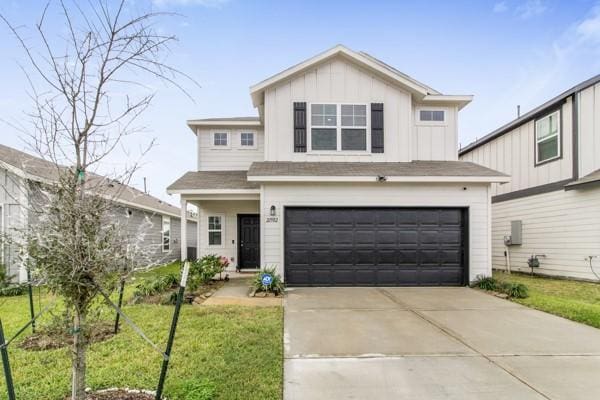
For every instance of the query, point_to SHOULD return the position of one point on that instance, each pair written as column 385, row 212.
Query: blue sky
column 505, row 53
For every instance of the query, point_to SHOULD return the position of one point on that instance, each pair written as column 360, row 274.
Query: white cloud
column 531, row 8
column 589, row 29
column 500, row 7
column 203, row 3
column 572, row 57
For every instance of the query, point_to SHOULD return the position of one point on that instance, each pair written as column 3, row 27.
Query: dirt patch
column 204, row 292
column 52, row 340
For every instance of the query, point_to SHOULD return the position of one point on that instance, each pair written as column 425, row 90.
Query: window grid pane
column 323, row 114
column 354, row 115
column 324, row 139
column 354, row 139
column 214, row 238
column 220, row 139
column 247, row 139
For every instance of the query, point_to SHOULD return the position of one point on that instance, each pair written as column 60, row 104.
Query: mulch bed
column 47, row 341
column 203, row 291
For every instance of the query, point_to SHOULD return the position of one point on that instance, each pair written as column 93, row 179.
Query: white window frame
column 220, row 147
column 254, row 140
column 419, row 121
column 165, row 218
column 557, row 135
column 338, row 127
column 222, row 230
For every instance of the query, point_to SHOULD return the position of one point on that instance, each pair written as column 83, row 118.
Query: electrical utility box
column 516, row 232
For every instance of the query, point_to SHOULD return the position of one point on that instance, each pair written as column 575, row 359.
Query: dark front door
column 375, row 246
column 248, row 241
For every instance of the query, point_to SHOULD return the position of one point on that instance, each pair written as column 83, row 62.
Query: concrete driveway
column 432, row 343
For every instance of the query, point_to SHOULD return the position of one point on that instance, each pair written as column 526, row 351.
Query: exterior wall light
column 273, row 211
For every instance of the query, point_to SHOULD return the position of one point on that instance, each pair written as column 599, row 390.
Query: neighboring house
column 348, row 176
column 153, row 225
column 553, row 199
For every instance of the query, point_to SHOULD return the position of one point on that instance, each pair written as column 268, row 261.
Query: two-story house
column 551, row 207
column 348, row 176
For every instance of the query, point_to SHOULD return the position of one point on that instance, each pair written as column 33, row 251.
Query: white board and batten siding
column 230, row 158
column 514, row 154
column 228, row 211
column 589, row 130
column 340, row 81
column 563, row 226
column 377, row 195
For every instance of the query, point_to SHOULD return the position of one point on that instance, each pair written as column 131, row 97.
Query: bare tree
column 80, row 85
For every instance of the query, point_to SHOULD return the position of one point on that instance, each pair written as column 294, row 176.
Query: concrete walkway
column 432, row 343
column 235, row 292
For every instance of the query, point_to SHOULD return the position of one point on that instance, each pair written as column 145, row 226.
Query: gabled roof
column 40, row 170
column 418, row 89
column 533, row 114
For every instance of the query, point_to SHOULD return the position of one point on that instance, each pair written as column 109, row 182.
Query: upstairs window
column 166, row 233
column 215, row 230
column 220, row 139
column 547, row 138
column 431, row 116
column 338, row 127
column 247, row 139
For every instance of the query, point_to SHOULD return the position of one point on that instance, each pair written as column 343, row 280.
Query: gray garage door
column 375, row 246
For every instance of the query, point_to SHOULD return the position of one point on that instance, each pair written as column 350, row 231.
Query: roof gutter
column 374, row 178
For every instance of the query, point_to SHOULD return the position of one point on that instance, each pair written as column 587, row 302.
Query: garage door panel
column 386, row 237
column 374, row 246
column 386, row 257
column 407, row 236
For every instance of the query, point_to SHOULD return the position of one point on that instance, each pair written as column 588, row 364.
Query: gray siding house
column 153, row 225
column 550, row 209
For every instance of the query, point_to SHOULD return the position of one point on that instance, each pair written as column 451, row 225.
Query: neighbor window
column 166, row 233
column 220, row 139
column 338, row 127
column 247, row 139
column 547, row 137
column 215, row 230
column 431, row 115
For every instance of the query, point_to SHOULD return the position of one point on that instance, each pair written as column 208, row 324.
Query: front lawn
column 234, row 352
column 578, row 301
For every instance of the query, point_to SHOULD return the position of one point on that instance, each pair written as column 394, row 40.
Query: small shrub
column 514, row 290
column 276, row 285
column 203, row 389
column 202, row 271
column 7, row 288
column 13, row 290
column 157, row 285
column 486, row 283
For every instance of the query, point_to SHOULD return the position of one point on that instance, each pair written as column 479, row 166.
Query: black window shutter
column 299, row 127
column 376, row 127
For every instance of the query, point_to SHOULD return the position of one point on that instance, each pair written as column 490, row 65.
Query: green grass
column 578, row 301
column 236, row 350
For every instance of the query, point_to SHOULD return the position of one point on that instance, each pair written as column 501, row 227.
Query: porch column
column 198, row 230
column 183, row 225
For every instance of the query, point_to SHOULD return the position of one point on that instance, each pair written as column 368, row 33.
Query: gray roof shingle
column 591, row 178
column 413, row 168
column 204, row 180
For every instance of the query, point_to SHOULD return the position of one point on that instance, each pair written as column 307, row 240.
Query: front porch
column 228, row 216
